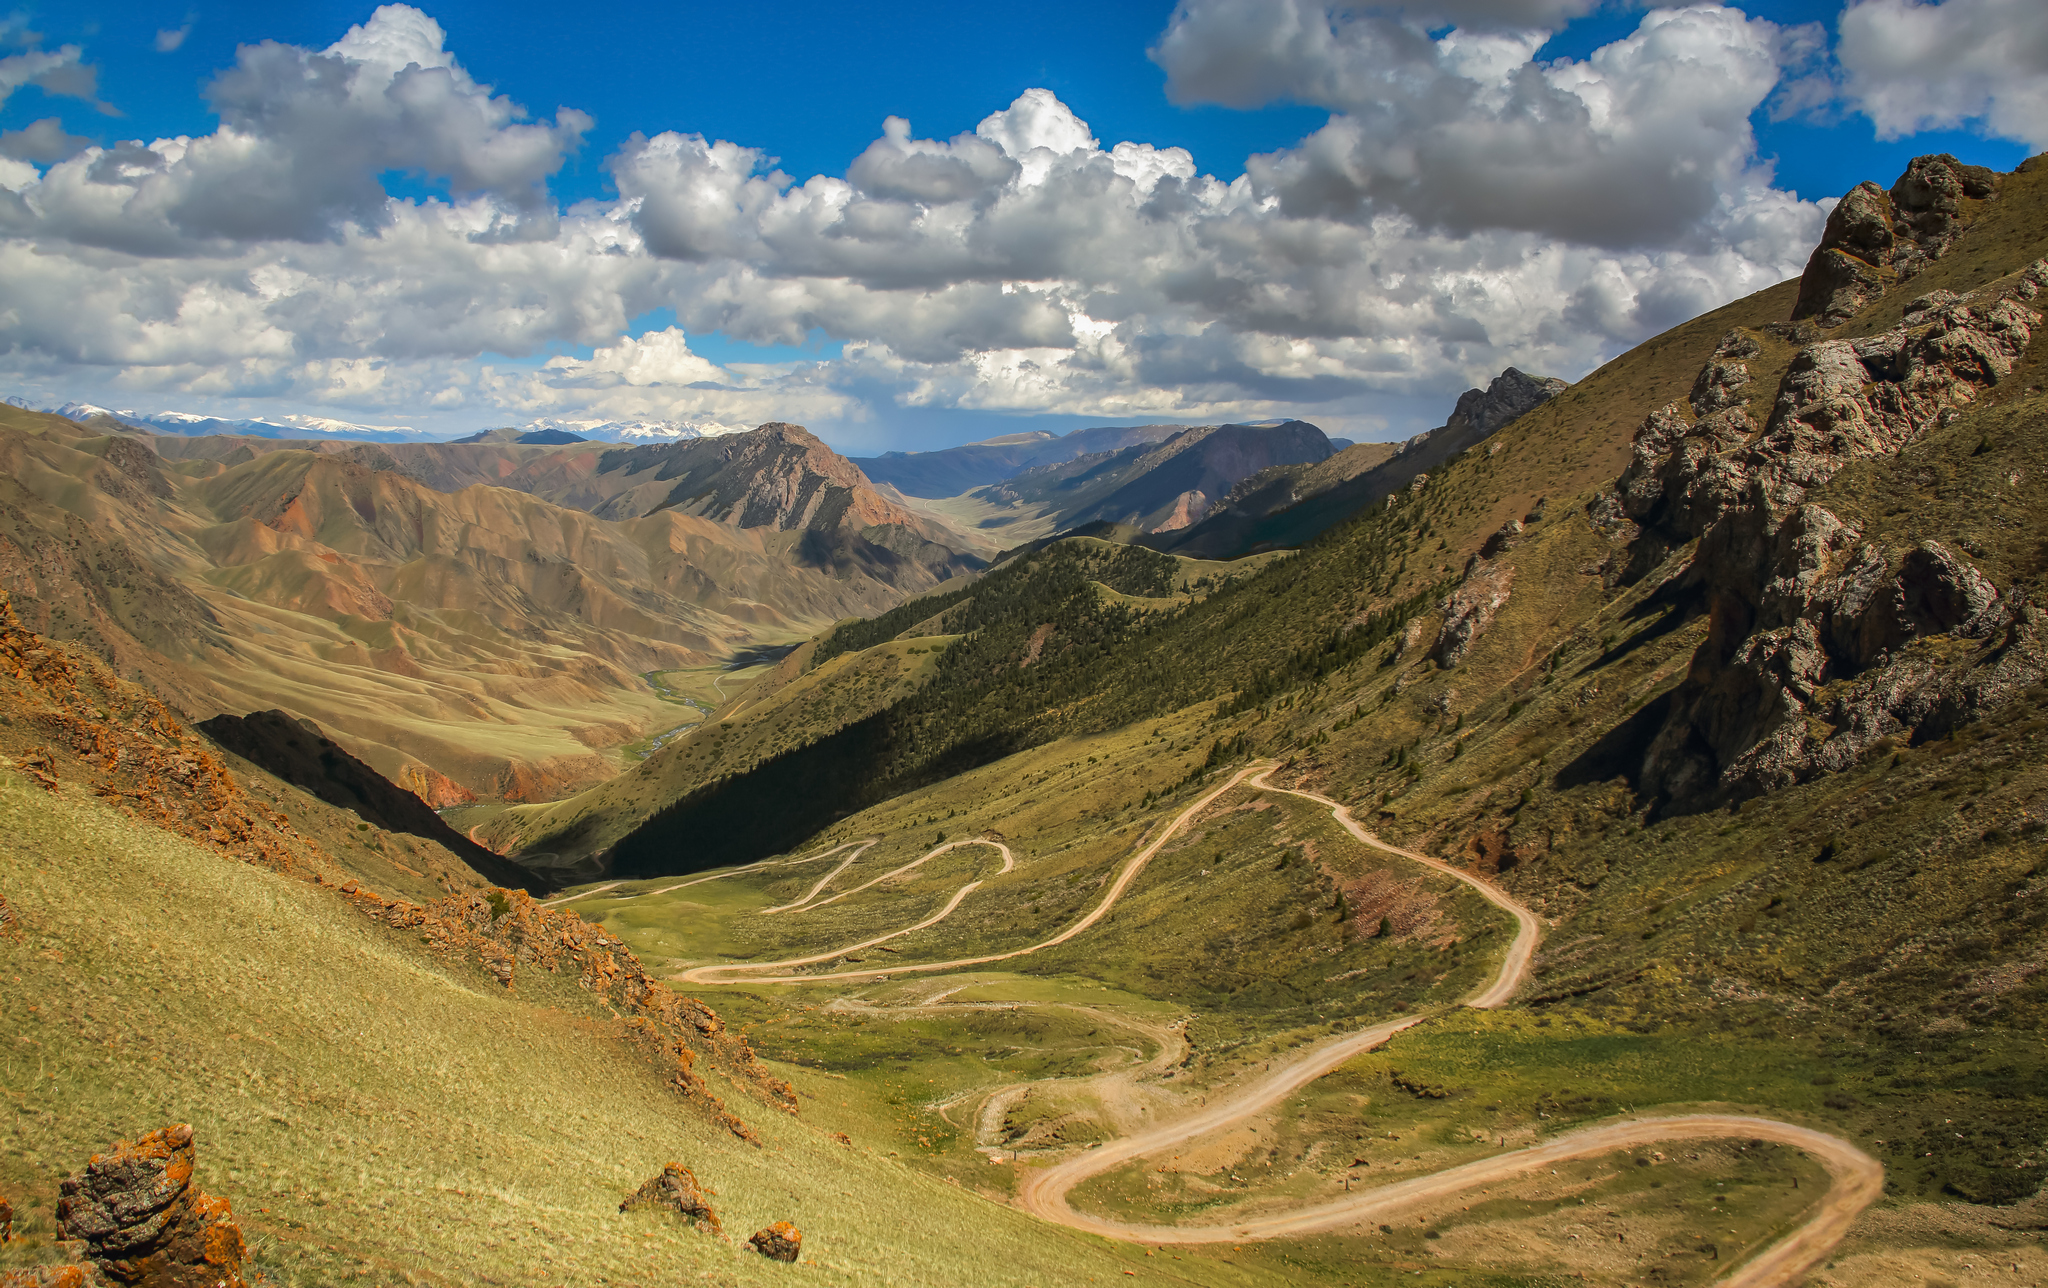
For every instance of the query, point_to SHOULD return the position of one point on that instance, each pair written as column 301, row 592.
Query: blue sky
column 884, row 354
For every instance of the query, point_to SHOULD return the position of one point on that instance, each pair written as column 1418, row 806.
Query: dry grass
column 377, row 1114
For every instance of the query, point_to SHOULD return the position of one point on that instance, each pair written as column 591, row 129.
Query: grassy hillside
column 376, row 1113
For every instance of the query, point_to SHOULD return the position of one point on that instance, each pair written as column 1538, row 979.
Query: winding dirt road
column 717, row 974
column 1858, row 1178
column 1136, row 864
column 825, row 880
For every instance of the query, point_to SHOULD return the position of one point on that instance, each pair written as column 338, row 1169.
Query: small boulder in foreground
column 779, row 1242
column 143, row 1221
column 675, row 1189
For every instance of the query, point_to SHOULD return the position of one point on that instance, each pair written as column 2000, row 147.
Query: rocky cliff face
column 1877, row 239
column 1480, row 412
column 1823, row 641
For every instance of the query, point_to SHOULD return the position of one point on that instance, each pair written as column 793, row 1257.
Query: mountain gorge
column 1725, row 661
column 1599, row 839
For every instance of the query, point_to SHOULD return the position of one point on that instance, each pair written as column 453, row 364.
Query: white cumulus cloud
column 1466, row 208
column 1912, row 66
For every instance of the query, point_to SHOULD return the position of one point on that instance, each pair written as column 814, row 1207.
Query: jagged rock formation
column 1877, row 239
column 675, row 1189
column 779, row 1242
column 143, row 1220
column 1470, row 609
column 1822, row 642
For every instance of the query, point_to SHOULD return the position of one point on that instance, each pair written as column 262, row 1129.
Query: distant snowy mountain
column 637, row 431
column 191, row 425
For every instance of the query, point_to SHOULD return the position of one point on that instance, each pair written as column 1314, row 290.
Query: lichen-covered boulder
column 145, row 1223
column 779, row 1242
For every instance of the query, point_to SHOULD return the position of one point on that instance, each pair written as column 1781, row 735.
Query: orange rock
column 675, row 1189
column 144, row 1223
column 779, row 1242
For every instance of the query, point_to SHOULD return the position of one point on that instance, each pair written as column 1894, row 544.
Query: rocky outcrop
column 675, row 1189
column 145, row 1223
column 1186, row 510
column 779, row 1242
column 1503, row 539
column 1470, row 609
column 1816, row 635
column 1875, row 239
column 507, row 930
column 1481, row 412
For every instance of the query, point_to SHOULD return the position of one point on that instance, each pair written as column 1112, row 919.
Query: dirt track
column 1858, row 1178
column 711, row 974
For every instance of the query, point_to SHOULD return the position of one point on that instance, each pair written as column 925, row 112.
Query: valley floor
column 1117, row 1111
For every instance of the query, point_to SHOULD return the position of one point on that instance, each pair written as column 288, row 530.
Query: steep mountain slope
column 1162, row 487
column 1727, row 661
column 1286, row 506
column 296, row 752
column 953, row 470
column 372, row 1081
column 478, row 641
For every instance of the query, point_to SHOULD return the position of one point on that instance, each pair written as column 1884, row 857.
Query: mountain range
column 471, row 620
column 318, row 428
